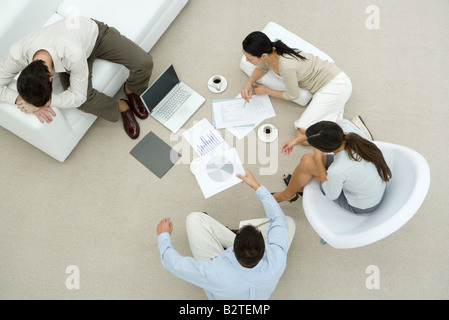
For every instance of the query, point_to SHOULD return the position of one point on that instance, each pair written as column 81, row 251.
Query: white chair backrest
column 408, row 186
column 404, row 195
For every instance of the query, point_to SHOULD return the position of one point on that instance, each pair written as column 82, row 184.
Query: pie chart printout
column 220, row 169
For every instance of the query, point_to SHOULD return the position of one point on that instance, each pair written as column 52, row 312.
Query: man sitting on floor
column 227, row 264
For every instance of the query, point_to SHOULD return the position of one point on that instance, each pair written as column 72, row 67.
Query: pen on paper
column 249, row 94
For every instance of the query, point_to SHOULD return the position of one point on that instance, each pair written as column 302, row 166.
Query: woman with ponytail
column 330, row 86
column 354, row 175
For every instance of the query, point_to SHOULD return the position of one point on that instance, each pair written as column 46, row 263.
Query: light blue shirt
column 358, row 180
column 223, row 277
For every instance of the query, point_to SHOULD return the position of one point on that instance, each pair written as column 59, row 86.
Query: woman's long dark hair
column 257, row 43
column 327, row 136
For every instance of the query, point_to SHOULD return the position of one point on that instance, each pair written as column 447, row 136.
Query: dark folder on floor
column 155, row 154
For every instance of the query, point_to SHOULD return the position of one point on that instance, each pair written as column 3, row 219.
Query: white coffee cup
column 268, row 129
column 216, row 82
column 267, row 133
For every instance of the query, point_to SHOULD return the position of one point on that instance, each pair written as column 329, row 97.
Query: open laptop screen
column 160, row 88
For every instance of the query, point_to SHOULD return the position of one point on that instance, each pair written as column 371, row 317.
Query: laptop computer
column 170, row 101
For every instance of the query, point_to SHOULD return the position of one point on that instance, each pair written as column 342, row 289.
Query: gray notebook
column 155, row 154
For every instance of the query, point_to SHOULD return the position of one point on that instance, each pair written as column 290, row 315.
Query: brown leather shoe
column 136, row 104
column 130, row 124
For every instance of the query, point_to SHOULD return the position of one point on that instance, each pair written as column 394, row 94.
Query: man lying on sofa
column 70, row 51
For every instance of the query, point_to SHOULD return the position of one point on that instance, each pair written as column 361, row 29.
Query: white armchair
column 405, row 193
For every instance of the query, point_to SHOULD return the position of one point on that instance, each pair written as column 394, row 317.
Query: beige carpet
column 99, row 210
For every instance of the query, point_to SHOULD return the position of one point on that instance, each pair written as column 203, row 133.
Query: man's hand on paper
column 249, row 179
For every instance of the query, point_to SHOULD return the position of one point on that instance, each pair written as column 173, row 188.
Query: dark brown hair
column 249, row 246
column 328, row 136
column 257, row 43
column 34, row 84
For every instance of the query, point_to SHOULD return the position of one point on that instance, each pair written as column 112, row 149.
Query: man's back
column 228, row 279
column 224, row 277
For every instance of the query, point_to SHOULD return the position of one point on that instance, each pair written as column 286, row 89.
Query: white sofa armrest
column 57, row 138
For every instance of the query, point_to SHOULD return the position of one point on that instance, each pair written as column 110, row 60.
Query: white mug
column 216, row 82
column 267, row 133
column 268, row 129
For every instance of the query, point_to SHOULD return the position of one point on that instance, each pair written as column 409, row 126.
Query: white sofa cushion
column 272, row 80
column 141, row 21
column 19, row 17
column 133, row 18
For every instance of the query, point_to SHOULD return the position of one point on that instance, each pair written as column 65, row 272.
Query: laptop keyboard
column 173, row 103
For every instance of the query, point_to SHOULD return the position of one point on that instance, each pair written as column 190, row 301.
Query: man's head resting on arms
column 34, row 84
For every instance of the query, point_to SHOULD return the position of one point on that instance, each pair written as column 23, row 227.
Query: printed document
column 235, row 112
column 217, row 167
column 264, row 111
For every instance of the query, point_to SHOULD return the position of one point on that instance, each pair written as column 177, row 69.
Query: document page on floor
column 262, row 105
column 230, row 113
column 217, row 167
column 216, row 171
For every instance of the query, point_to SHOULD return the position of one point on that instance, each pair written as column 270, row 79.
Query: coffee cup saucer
column 267, row 138
column 223, row 84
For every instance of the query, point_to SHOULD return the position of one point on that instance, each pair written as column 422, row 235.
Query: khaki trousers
column 208, row 237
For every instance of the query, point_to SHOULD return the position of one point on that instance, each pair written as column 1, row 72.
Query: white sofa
column 143, row 21
column 271, row 80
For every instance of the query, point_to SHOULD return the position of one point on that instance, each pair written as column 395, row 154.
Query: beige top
column 69, row 47
column 311, row 74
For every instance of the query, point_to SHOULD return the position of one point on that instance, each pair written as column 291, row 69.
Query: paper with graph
column 216, row 171
column 217, row 167
column 203, row 138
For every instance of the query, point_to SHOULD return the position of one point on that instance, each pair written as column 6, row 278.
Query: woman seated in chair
column 354, row 175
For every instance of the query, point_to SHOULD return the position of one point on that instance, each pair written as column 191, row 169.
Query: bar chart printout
column 217, row 167
column 203, row 137
column 208, row 142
